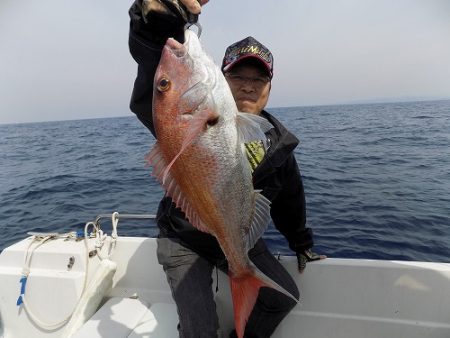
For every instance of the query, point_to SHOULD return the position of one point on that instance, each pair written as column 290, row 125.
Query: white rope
column 99, row 243
column 101, row 238
column 26, row 271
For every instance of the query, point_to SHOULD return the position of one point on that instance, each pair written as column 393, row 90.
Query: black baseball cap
column 247, row 48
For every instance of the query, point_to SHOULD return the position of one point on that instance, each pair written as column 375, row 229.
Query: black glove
column 173, row 8
column 306, row 256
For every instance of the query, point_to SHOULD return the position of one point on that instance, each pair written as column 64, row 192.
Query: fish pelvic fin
column 244, row 292
column 252, row 127
column 260, row 220
column 168, row 182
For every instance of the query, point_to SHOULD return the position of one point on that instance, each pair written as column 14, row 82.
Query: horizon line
column 345, row 103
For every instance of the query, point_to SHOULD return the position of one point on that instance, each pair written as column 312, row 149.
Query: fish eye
column 163, row 85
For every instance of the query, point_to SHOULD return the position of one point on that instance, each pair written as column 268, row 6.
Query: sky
column 62, row 60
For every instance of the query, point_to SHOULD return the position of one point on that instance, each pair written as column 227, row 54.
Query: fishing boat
column 93, row 284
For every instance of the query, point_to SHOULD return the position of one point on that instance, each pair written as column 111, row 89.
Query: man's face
column 250, row 86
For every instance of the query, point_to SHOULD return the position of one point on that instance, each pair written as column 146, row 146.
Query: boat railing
column 118, row 216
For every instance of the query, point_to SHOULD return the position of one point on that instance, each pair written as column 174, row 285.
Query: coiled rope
column 100, row 240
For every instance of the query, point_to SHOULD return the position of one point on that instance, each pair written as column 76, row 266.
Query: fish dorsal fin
column 260, row 220
column 252, row 127
column 162, row 173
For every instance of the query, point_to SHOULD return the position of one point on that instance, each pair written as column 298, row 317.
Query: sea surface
column 376, row 176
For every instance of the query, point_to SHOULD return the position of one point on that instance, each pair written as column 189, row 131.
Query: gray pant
column 190, row 278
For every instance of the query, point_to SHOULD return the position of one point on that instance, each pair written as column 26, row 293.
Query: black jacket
column 277, row 175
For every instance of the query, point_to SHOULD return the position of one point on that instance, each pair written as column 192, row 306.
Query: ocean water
column 376, row 176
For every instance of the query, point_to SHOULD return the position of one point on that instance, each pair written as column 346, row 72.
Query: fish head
column 182, row 94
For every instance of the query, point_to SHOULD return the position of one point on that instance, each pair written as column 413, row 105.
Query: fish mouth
column 175, row 48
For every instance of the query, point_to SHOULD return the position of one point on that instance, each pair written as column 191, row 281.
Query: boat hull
column 340, row 298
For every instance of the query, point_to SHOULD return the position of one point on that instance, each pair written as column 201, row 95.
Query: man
column 187, row 255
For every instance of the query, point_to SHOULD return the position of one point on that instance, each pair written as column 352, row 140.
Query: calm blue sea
column 377, row 178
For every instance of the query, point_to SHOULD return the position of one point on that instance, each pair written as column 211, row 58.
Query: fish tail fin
column 244, row 292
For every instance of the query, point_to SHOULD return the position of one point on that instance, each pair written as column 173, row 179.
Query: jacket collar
column 282, row 143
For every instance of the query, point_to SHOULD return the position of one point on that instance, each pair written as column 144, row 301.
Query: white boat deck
column 340, row 298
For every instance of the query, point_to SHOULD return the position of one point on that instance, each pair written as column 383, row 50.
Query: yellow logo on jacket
column 255, row 153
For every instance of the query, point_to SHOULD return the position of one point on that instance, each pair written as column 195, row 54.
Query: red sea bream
column 200, row 161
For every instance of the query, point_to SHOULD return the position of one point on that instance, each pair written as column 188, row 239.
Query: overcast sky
column 64, row 59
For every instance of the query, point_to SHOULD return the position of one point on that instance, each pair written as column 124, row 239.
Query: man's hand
column 307, row 256
column 193, row 6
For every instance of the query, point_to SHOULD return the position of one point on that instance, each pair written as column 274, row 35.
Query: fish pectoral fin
column 162, row 174
column 252, row 127
column 196, row 126
column 260, row 220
